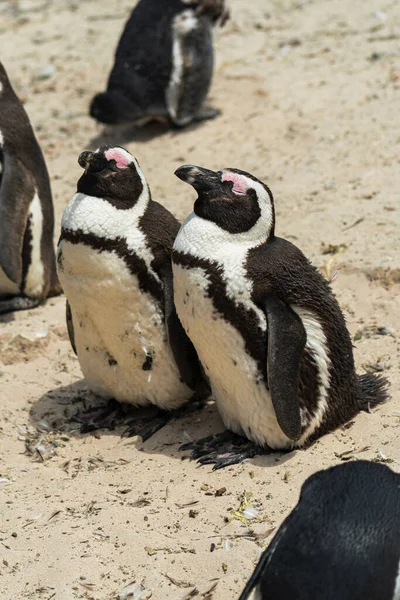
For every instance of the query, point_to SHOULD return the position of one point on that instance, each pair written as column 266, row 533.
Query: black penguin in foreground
column 341, row 541
column 114, row 263
column 27, row 260
column 265, row 323
column 163, row 64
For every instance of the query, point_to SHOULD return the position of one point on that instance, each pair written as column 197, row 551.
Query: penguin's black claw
column 206, row 445
column 156, row 418
column 105, row 416
column 223, row 450
column 148, row 425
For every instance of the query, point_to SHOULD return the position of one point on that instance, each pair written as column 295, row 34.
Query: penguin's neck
column 100, row 217
column 204, row 239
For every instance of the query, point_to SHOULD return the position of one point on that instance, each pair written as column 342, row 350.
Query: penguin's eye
column 240, row 185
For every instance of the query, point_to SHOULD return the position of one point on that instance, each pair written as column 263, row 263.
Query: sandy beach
column 309, row 93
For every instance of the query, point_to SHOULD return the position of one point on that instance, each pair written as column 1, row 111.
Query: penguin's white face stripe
column 318, row 346
column 241, row 185
column 35, row 276
column 1, row 136
column 1, row 87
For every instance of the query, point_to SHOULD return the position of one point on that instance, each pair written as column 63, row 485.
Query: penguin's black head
column 111, row 172
column 233, row 199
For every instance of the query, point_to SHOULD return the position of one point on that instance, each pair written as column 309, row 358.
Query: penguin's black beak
column 85, row 159
column 201, row 179
column 96, row 162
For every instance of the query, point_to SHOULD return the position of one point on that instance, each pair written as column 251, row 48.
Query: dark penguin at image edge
column 114, row 263
column 265, row 323
column 341, row 541
column 27, row 260
column 163, row 64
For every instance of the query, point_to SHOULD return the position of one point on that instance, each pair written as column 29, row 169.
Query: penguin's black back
column 280, row 267
column 341, row 542
column 143, row 59
column 20, row 143
column 19, row 137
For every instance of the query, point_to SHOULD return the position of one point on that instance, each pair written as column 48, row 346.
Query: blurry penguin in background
column 163, row 64
column 341, row 541
column 27, row 260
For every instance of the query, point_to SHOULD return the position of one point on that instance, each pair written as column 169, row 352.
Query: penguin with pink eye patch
column 114, row 264
column 265, row 324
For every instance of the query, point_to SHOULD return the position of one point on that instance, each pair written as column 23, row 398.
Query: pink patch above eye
column 240, row 185
column 121, row 159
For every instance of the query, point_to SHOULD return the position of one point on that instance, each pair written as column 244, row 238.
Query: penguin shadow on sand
column 120, row 135
column 6, row 318
column 56, row 416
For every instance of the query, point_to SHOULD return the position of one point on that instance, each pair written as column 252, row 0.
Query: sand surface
column 310, row 99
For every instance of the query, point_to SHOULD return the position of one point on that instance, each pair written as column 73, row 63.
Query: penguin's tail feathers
column 113, row 108
column 373, row 391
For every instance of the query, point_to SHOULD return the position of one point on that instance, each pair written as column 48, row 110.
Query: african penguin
column 114, row 263
column 265, row 323
column 163, row 64
column 27, row 260
column 341, row 541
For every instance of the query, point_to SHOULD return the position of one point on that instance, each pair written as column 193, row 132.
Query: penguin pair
column 27, row 259
column 163, row 64
column 341, row 541
column 237, row 303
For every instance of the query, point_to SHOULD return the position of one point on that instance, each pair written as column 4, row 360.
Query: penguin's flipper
column 70, row 326
column 286, row 342
column 16, row 193
column 182, row 348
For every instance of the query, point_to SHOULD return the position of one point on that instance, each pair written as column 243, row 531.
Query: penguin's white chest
column 119, row 330
column 238, row 388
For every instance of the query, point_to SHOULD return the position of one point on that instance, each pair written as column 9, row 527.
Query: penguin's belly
column 119, row 330
column 238, row 388
column 7, row 287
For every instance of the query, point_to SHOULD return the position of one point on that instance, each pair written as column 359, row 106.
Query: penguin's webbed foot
column 207, row 112
column 155, row 418
column 18, row 303
column 223, row 449
column 105, row 416
column 143, row 421
column 148, row 424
